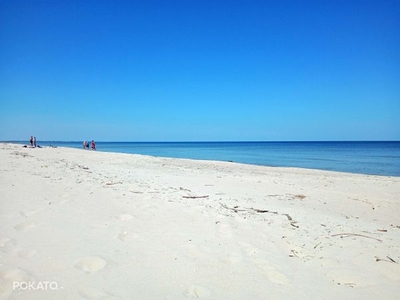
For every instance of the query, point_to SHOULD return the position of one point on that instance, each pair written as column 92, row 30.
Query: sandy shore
column 78, row 224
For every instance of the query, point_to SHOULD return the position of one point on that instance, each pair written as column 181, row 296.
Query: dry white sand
column 78, row 224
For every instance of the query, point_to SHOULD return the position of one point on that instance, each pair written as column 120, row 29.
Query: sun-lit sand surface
column 99, row 225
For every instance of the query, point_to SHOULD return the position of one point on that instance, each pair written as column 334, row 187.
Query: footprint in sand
column 92, row 293
column 26, row 253
column 224, row 230
column 91, row 264
column 126, row 236
column 6, row 244
column 26, row 214
column 25, row 226
column 7, row 279
column 249, row 249
column 124, row 217
column 231, row 258
column 271, row 273
column 193, row 252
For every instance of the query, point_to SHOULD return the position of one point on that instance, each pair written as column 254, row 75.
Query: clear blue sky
column 200, row 70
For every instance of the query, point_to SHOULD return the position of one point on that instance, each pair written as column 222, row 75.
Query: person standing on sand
column 31, row 141
column 84, row 145
column 34, row 142
column 93, row 145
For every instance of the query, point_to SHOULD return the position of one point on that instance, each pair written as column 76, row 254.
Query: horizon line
column 204, row 141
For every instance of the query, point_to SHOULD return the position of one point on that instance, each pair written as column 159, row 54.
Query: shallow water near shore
column 373, row 158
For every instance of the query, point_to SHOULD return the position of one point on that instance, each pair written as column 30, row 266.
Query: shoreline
column 120, row 226
column 217, row 160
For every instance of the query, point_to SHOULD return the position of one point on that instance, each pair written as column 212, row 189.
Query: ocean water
column 375, row 158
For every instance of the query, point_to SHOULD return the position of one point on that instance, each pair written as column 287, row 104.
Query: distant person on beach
column 31, row 141
column 84, row 145
column 34, row 141
column 93, row 145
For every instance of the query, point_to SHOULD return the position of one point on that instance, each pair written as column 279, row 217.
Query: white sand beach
column 79, row 224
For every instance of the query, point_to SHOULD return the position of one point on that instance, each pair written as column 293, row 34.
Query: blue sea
column 375, row 158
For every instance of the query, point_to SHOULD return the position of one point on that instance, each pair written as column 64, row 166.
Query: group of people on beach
column 32, row 141
column 86, row 145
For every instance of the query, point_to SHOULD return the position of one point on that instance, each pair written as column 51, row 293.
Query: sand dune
column 78, row 224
